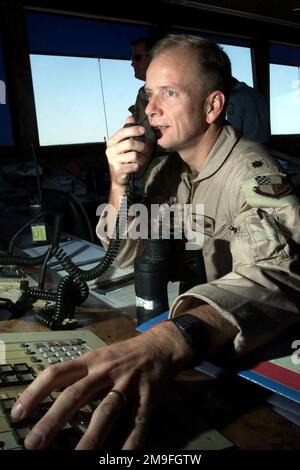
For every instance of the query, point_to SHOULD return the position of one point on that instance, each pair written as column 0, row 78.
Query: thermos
column 151, row 272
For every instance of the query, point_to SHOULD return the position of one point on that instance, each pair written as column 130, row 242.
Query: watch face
column 196, row 333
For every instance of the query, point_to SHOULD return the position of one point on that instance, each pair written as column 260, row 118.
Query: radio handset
column 151, row 269
column 135, row 185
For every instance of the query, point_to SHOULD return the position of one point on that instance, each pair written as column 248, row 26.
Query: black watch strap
column 196, row 334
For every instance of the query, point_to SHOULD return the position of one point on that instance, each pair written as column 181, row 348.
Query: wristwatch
column 196, row 334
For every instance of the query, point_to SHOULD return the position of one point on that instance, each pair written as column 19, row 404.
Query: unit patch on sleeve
column 269, row 191
column 272, row 186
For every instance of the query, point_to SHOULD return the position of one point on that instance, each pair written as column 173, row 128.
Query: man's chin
column 164, row 145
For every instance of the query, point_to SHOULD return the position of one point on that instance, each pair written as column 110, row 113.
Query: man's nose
column 153, row 106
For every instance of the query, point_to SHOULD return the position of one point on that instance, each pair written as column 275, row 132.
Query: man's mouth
column 158, row 131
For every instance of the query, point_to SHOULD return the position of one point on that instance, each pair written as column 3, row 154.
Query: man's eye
column 171, row 93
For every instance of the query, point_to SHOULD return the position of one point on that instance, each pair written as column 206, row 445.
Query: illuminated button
column 27, row 378
column 8, row 441
column 12, row 379
column 53, row 360
column 22, row 433
column 6, row 369
column 22, row 367
column 8, row 403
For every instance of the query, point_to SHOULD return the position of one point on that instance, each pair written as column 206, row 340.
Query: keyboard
column 22, row 356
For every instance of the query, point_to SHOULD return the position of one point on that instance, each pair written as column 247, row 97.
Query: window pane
column 241, row 63
column 285, row 99
column 120, row 88
column 69, row 101
column 6, row 137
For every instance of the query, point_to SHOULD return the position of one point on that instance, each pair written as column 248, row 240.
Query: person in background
column 251, row 235
column 248, row 112
column 140, row 59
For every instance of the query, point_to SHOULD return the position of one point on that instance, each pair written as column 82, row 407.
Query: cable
column 26, row 260
column 61, row 315
column 11, row 244
column 72, row 290
column 37, row 172
column 85, row 216
column 112, row 250
column 49, row 254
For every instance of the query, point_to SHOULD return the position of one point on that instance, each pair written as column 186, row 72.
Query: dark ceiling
column 275, row 11
column 276, row 20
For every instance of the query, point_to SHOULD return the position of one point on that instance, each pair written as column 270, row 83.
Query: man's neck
column 195, row 157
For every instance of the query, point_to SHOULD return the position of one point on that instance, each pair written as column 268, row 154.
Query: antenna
column 38, row 229
column 37, row 172
column 103, row 99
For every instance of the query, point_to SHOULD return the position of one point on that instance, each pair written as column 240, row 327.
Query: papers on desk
column 80, row 251
column 124, row 296
column 281, row 376
column 11, row 289
column 84, row 254
column 279, row 372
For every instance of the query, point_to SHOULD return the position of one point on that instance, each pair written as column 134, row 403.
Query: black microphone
column 151, row 273
column 135, row 185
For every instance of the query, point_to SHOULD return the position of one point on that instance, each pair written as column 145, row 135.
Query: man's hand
column 137, row 368
column 127, row 155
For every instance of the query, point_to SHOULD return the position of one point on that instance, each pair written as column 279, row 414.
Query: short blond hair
column 214, row 63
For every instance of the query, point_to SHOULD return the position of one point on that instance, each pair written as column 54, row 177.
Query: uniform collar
column 219, row 153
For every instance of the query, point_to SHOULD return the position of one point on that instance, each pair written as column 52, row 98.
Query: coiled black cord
column 72, row 290
column 81, row 275
column 61, row 314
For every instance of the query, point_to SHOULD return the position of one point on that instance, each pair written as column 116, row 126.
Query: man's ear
column 214, row 106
